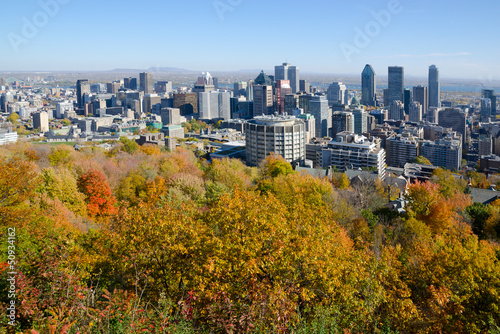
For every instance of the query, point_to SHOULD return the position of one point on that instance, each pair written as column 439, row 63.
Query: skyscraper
column 434, row 89
column 368, row 86
column 146, row 80
column 82, row 88
column 282, row 89
column 490, row 94
column 318, row 107
column 360, row 121
column 415, row 112
column 337, row 93
column 420, row 95
column 408, row 99
column 396, row 84
column 455, row 119
column 288, row 72
column 262, row 100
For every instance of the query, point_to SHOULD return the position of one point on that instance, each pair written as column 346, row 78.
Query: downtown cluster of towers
column 396, row 90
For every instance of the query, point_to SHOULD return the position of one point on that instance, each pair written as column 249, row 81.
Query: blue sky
column 460, row 37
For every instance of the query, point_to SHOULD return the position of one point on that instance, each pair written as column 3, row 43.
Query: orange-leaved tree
column 100, row 199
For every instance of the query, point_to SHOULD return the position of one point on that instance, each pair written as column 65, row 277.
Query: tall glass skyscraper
column 288, row 72
column 434, row 89
column 396, row 84
column 368, row 86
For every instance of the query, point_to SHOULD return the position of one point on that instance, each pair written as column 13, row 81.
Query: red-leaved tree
column 100, row 199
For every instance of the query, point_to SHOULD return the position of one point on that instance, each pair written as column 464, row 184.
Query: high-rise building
column 291, row 103
column 434, row 88
column 288, row 72
column 396, row 84
column 396, row 110
column 368, row 86
column 283, row 135
column 446, row 152
column 240, row 88
column 304, row 86
column 187, row 103
column 130, row 83
column 41, row 121
column 360, row 121
column 420, row 94
column 401, row 149
column 415, row 112
column 318, row 107
column 337, row 93
column 205, row 83
column 262, row 100
column 163, row 87
column 82, row 88
column 170, row 116
column 282, row 89
column 342, row 121
column 455, row 119
column 146, row 80
column 214, row 105
column 490, row 94
column 486, row 106
column 263, row 79
column 113, row 87
column 408, row 99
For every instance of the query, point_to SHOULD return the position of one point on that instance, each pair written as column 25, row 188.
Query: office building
column 360, row 117
column 240, row 88
column 342, row 121
column 337, row 94
column 446, row 152
column 130, row 83
column 368, row 86
column 415, row 112
column 454, row 119
column 420, row 95
column 395, row 84
column 318, row 107
column 113, row 87
column 82, row 89
column 408, row 99
column 486, row 107
column 62, row 108
column 205, row 83
column 310, row 124
column 41, row 121
column 187, row 103
column 150, row 102
column 304, row 102
column 288, row 72
column 490, row 94
column 283, row 135
column 146, row 82
column 214, row 105
column 263, row 80
column 396, row 110
column 291, row 103
column 282, row 89
column 163, row 87
column 170, row 116
column 305, row 86
column 434, row 88
column 262, row 100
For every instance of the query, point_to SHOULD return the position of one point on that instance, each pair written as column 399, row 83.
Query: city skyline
column 50, row 35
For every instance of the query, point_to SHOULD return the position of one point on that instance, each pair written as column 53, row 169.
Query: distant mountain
column 169, row 69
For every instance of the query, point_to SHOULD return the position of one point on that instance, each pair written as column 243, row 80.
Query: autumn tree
column 274, row 165
column 99, row 198
column 421, row 160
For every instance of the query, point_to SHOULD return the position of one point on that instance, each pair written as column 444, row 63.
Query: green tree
column 421, row 160
column 13, row 118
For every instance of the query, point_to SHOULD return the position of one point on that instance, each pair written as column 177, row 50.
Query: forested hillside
column 139, row 240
